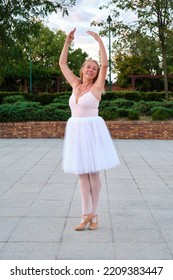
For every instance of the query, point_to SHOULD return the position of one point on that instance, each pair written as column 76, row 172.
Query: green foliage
column 144, row 107
column 133, row 115
column 123, row 103
column 52, row 107
column 13, row 99
column 3, row 95
column 128, row 65
column 151, row 17
column 19, row 18
column 42, row 98
column 135, row 95
column 162, row 113
column 52, row 113
column 32, row 111
column 19, row 21
column 40, row 53
column 23, row 111
column 123, row 113
column 109, row 115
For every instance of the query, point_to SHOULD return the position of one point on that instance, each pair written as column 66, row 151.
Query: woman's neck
column 87, row 83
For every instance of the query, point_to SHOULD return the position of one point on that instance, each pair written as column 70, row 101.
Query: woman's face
column 90, row 70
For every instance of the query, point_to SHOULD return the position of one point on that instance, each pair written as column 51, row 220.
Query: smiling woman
column 88, row 147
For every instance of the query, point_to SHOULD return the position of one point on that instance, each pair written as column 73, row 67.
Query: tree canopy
column 20, row 25
column 153, row 18
column 18, row 19
column 42, row 54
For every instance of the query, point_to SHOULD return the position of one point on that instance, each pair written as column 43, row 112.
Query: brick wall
column 118, row 129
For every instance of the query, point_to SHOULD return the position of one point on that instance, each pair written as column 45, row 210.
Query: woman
column 88, row 147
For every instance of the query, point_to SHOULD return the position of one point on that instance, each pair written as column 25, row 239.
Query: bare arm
column 100, row 82
column 68, row 74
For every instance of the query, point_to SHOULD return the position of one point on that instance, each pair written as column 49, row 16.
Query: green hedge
column 162, row 113
column 42, row 107
column 32, row 111
column 47, row 98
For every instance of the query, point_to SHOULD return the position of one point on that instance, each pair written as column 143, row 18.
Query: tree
column 44, row 50
column 147, row 48
column 19, row 20
column 140, row 51
column 128, row 65
column 153, row 17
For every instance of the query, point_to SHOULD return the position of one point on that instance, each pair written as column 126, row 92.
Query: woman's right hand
column 70, row 36
column 94, row 35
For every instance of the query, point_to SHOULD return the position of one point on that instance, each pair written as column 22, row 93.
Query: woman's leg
column 85, row 192
column 95, row 184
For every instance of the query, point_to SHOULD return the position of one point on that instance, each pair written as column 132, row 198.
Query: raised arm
column 68, row 74
column 100, row 82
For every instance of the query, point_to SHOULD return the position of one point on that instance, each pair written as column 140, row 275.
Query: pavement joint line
column 112, row 234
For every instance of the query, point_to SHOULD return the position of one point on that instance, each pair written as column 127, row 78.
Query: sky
column 80, row 17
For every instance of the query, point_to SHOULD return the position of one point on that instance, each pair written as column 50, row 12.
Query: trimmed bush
column 42, row 98
column 122, row 103
column 133, row 115
column 145, row 107
column 123, row 113
column 45, row 107
column 13, row 99
column 51, row 113
column 161, row 113
column 108, row 115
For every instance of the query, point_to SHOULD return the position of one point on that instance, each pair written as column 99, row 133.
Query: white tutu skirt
column 88, row 146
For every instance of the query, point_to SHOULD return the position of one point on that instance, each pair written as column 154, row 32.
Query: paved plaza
column 40, row 205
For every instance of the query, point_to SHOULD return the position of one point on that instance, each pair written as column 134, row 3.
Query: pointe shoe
column 87, row 219
column 93, row 225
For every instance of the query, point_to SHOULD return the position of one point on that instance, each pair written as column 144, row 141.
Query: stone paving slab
column 40, row 205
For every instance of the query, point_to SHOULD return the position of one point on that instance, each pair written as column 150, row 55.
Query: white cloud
column 81, row 16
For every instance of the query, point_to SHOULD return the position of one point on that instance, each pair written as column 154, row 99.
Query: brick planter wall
column 118, row 129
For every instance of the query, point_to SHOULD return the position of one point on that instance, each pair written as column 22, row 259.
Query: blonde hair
column 86, row 61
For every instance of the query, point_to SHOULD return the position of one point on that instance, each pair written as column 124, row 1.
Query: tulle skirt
column 88, row 146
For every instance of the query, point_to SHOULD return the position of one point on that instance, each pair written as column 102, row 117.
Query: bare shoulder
column 97, row 91
column 77, row 83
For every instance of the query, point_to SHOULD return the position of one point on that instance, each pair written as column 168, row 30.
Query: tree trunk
column 164, row 57
column 25, row 86
column 165, row 73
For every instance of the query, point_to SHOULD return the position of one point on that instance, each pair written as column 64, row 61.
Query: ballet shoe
column 93, row 225
column 87, row 219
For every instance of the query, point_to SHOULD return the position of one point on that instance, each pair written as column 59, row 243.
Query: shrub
column 153, row 96
column 168, row 104
column 133, row 115
column 5, row 94
column 61, row 103
column 51, row 113
column 145, row 107
column 42, row 98
column 123, row 112
column 13, row 99
column 131, row 95
column 122, row 103
column 108, row 115
column 44, row 106
column 161, row 113
column 104, row 104
column 6, row 112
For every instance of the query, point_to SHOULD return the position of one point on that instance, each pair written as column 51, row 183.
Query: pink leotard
column 87, row 105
